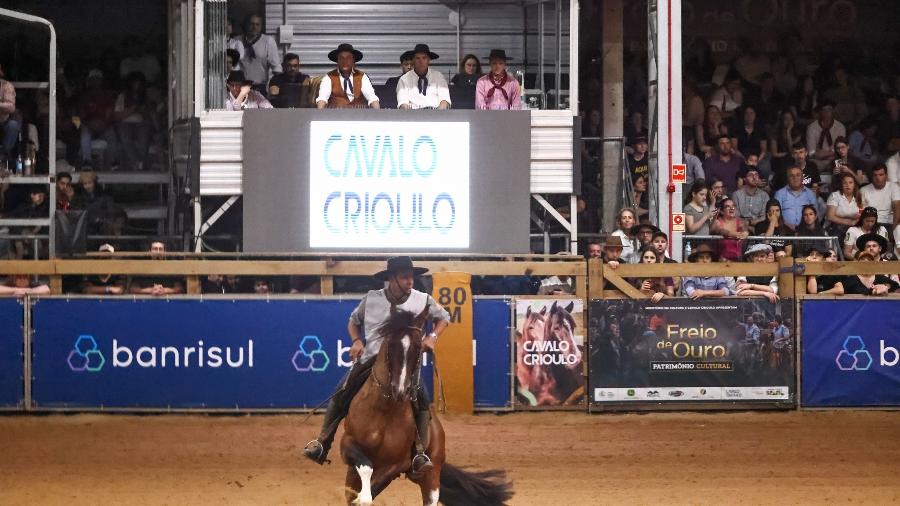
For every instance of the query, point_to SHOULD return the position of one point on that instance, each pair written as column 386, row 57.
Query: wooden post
column 786, row 277
column 454, row 353
column 595, row 278
column 193, row 285
column 56, row 285
column 326, row 285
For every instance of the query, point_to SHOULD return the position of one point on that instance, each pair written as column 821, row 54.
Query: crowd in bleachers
column 775, row 147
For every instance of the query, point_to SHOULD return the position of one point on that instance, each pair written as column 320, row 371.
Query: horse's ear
column 570, row 307
column 528, row 312
column 553, row 306
column 544, row 310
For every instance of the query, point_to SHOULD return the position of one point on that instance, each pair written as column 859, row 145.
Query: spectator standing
column 95, row 110
column 346, row 87
column 868, row 224
column 290, row 88
column 725, row 164
column 130, row 113
column 424, row 87
column 157, row 285
column 844, row 206
column 774, row 226
column 758, row 286
column 21, row 284
column 884, row 196
column 660, row 242
column 694, row 168
column 698, row 214
column 389, row 98
column 866, row 284
column 732, row 229
column 698, row 287
column 463, row 84
column 794, row 196
column 9, row 126
column 259, row 54
column 103, row 284
column 498, row 90
column 809, row 227
column 638, row 161
column 750, row 199
column 641, row 197
column 241, row 94
column 626, row 221
column 656, row 288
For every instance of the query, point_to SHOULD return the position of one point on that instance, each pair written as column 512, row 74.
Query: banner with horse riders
column 549, row 351
column 697, row 351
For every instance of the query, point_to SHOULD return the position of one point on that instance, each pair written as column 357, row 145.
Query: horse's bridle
column 385, row 389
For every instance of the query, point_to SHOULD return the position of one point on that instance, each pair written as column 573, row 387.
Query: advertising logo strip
column 12, row 346
column 192, row 354
column 705, row 350
column 389, row 184
column 851, row 353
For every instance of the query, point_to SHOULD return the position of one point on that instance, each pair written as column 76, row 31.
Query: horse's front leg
column 362, row 466
column 430, row 485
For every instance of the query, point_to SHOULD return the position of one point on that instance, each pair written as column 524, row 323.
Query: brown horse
column 568, row 378
column 380, row 430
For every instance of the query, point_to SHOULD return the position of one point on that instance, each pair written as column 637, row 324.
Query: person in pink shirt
column 497, row 90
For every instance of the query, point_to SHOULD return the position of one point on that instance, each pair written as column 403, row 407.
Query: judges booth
column 491, row 164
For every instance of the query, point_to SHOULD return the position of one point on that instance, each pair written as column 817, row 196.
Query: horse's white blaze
column 365, row 493
column 405, row 343
column 435, row 494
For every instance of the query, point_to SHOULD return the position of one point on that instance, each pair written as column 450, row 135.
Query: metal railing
column 831, row 242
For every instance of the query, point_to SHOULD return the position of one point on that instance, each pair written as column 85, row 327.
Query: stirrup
column 421, row 463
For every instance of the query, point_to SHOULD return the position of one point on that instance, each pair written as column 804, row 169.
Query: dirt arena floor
column 847, row 457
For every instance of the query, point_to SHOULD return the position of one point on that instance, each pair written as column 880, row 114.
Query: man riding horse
column 371, row 313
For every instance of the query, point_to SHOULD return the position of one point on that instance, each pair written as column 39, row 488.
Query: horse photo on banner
column 549, row 351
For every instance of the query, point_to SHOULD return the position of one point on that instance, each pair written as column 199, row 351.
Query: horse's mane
column 398, row 323
column 565, row 314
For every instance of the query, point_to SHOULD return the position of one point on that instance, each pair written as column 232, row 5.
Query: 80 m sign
column 452, row 300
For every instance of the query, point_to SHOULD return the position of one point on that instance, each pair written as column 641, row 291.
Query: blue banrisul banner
column 191, row 353
column 12, row 344
column 851, row 353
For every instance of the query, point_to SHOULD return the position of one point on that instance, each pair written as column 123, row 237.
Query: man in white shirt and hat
column 423, row 88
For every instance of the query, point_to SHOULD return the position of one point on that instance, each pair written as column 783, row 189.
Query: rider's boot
column 317, row 449
column 421, row 462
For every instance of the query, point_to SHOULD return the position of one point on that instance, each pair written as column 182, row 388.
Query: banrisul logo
column 86, row 356
column 310, row 356
column 853, row 355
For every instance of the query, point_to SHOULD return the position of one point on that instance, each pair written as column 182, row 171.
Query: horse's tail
column 474, row 488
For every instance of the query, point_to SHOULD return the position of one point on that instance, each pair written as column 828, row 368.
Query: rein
column 385, row 389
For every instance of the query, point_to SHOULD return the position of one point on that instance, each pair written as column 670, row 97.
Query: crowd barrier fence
column 98, row 353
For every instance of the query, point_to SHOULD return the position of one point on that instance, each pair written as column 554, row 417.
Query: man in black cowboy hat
column 241, row 95
column 423, row 88
column 875, row 244
column 389, row 94
column 497, row 90
column 369, row 315
column 346, row 87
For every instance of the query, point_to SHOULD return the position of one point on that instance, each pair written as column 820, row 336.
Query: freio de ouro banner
column 692, row 350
